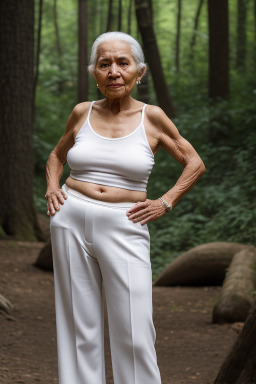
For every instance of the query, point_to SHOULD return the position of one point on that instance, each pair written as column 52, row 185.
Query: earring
column 97, row 85
column 138, row 82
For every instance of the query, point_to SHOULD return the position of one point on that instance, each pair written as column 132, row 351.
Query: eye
column 104, row 65
column 123, row 63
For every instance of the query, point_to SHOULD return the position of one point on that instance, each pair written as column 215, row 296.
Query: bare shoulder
column 78, row 113
column 156, row 115
column 153, row 110
column 81, row 108
column 158, row 118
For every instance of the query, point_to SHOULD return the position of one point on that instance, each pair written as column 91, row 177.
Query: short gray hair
column 135, row 46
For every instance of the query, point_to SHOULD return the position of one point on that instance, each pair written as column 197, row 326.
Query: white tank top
column 124, row 162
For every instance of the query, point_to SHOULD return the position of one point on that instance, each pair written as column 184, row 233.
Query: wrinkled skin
column 115, row 116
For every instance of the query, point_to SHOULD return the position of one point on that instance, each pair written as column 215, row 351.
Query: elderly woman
column 100, row 237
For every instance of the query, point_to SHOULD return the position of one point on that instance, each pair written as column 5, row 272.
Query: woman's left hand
column 148, row 210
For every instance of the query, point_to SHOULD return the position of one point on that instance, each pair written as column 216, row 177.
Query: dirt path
column 189, row 348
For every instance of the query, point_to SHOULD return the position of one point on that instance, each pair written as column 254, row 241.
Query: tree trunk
column 196, row 22
column 150, row 45
column 129, row 20
column 38, row 48
column 177, row 46
column 58, row 44
column 57, row 34
column 83, row 81
column 119, row 27
column 254, row 12
column 238, row 287
column 241, row 34
column 218, row 49
column 239, row 366
column 202, row 265
column 143, row 89
column 110, row 16
column 17, row 212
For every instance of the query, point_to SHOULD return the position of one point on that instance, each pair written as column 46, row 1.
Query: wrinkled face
column 116, row 70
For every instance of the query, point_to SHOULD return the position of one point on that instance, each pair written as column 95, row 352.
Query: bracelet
column 168, row 207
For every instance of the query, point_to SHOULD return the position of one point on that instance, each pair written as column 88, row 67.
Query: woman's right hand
column 54, row 199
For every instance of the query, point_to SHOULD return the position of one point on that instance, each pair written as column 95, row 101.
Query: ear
column 141, row 73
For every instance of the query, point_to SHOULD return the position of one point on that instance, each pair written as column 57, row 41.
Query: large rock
column 202, row 265
column 44, row 259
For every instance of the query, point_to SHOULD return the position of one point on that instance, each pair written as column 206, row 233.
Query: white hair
column 135, row 46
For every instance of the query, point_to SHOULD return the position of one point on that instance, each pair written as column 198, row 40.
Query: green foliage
column 222, row 206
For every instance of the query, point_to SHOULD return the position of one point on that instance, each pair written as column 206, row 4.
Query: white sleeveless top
column 124, row 162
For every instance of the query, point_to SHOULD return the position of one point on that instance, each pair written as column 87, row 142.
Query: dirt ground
column 190, row 349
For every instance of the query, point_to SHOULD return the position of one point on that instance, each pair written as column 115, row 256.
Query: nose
column 113, row 71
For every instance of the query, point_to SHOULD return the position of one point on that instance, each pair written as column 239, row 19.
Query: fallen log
column 238, row 288
column 205, row 264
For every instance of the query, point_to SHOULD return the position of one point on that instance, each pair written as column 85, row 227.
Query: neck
column 117, row 105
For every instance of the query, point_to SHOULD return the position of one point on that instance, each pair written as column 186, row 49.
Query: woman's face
column 116, row 69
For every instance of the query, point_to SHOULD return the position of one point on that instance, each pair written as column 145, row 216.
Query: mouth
column 114, row 85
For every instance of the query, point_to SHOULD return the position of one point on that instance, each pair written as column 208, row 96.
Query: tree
column 18, row 216
column 143, row 88
column 254, row 16
column 196, row 22
column 218, row 73
column 239, row 366
column 241, row 34
column 218, row 49
column 129, row 19
column 144, row 20
column 38, row 48
column 119, row 27
column 177, row 50
column 110, row 15
column 82, row 51
column 58, row 44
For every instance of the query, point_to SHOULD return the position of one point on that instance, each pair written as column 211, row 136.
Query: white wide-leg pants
column 95, row 245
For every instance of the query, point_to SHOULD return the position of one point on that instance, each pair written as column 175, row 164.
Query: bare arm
column 181, row 150
column 185, row 154
column 54, row 194
column 54, row 166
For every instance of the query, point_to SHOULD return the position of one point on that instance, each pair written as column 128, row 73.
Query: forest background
column 222, row 206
